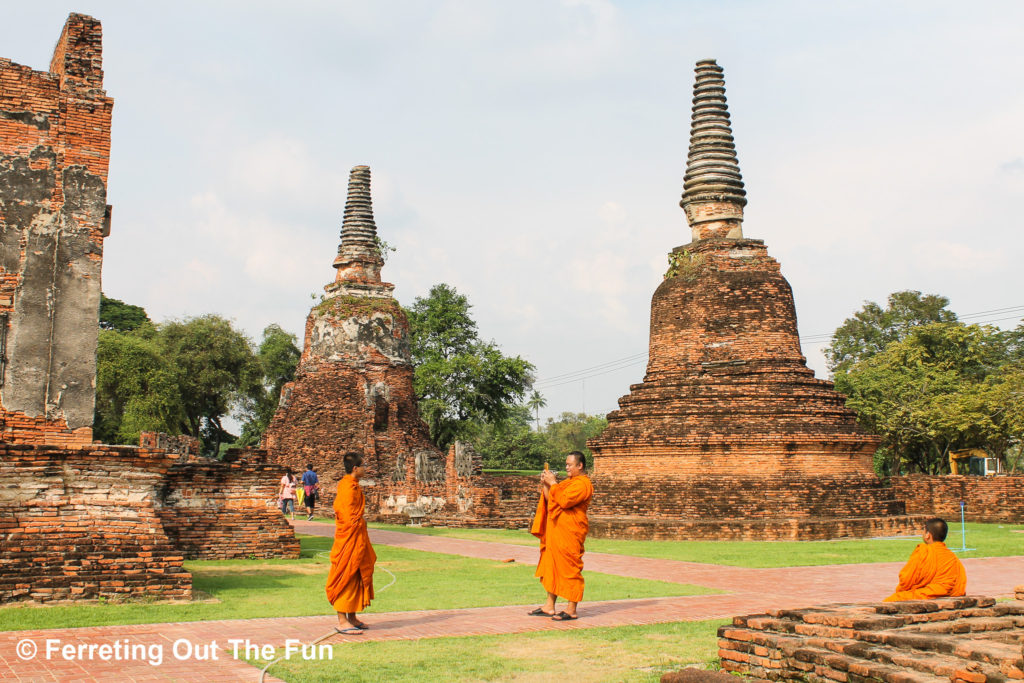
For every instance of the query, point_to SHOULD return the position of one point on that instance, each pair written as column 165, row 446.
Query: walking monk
column 561, row 525
column 350, row 581
column 933, row 570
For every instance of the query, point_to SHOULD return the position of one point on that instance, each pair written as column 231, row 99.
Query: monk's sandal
column 564, row 616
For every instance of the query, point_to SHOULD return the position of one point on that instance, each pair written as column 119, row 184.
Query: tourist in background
column 310, row 487
column 561, row 525
column 286, row 495
column 350, row 580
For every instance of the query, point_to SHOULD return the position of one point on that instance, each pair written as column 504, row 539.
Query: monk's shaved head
column 580, row 459
column 937, row 527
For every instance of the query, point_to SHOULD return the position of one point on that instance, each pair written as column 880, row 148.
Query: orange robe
column 561, row 525
column 933, row 571
column 350, row 580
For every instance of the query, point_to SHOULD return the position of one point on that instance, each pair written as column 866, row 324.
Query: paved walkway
column 750, row 590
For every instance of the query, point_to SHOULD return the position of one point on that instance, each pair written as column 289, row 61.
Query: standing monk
column 933, row 570
column 350, row 581
column 561, row 525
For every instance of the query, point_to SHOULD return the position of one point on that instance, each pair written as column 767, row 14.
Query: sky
column 530, row 153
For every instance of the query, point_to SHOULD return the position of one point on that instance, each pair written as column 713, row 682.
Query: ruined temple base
column 968, row 639
column 732, row 507
column 769, row 529
column 81, row 524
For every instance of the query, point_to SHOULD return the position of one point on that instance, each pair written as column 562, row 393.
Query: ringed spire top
column 713, row 194
column 359, row 258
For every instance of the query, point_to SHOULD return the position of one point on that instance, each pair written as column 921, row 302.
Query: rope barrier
column 334, row 631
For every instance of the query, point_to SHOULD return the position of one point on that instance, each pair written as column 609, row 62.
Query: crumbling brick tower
column 54, row 153
column 730, row 435
column 353, row 388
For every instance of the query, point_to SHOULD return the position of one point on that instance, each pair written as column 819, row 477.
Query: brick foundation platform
column 226, row 509
column 81, row 524
column 970, row 639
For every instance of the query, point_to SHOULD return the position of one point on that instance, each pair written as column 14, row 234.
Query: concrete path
column 750, row 590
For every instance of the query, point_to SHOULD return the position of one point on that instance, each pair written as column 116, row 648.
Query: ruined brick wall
column 54, row 153
column 227, row 509
column 83, row 523
column 997, row 498
column 969, row 639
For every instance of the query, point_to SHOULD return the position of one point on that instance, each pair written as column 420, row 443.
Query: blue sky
column 531, row 154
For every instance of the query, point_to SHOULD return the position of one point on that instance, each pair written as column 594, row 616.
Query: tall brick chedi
column 353, row 389
column 730, row 434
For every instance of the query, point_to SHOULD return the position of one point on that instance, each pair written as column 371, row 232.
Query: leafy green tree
column 460, row 379
column 511, row 444
column 278, row 356
column 942, row 386
column 872, row 328
column 571, row 431
column 117, row 315
column 136, row 387
column 215, row 369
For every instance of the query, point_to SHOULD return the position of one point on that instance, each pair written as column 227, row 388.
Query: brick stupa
column 353, row 389
column 730, row 435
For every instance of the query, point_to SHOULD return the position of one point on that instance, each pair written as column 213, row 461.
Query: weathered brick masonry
column 226, row 509
column 54, row 155
column 353, row 390
column 989, row 499
column 80, row 520
column 730, row 435
column 970, row 639
column 84, row 523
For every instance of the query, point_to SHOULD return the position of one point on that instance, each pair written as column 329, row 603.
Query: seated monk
column 561, row 525
column 350, row 580
column 933, row 570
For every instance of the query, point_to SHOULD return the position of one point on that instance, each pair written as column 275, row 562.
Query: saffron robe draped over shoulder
column 350, row 580
column 561, row 525
column 933, row 571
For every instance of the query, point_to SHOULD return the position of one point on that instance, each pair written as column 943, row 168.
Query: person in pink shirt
column 286, row 495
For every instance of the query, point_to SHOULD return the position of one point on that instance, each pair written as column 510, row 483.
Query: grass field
column 990, row 540
column 626, row 653
column 245, row 589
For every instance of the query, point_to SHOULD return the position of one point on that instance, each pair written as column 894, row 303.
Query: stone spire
column 359, row 259
column 713, row 194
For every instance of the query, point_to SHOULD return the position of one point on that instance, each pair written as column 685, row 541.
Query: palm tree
column 535, row 403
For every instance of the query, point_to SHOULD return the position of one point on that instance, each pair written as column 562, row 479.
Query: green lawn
column 626, row 653
column 245, row 589
column 990, row 540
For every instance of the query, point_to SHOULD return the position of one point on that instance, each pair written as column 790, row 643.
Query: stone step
column 824, row 665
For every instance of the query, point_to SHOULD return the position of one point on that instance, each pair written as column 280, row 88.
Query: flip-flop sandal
column 540, row 613
column 348, row 631
column 361, row 626
column 564, row 616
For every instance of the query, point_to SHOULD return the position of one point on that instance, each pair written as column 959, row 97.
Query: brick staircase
column 968, row 639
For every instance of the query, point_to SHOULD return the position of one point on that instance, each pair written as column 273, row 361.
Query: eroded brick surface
column 54, row 155
column 971, row 638
column 988, row 499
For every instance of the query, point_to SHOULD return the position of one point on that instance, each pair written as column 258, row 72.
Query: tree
column 943, row 386
column 510, row 444
column 460, row 380
column 571, row 431
column 117, row 315
column 871, row 329
column 278, row 357
column 535, row 403
column 136, row 387
column 215, row 369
